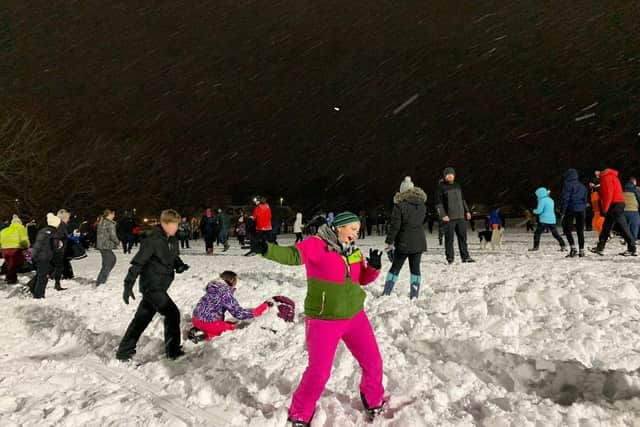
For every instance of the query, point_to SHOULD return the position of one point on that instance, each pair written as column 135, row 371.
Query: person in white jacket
column 297, row 227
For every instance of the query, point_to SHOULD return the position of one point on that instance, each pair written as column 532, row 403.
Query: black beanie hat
column 449, row 171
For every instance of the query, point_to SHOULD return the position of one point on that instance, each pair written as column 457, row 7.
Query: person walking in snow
column 13, row 240
column 208, row 315
column 49, row 244
column 297, row 227
column 573, row 203
column 334, row 309
column 156, row 263
column 453, row 212
column 208, row 230
column 262, row 217
column 546, row 219
column 106, row 242
column 406, row 236
column 612, row 207
column 631, row 196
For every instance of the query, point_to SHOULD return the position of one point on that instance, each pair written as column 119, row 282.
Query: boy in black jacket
column 155, row 263
column 48, row 245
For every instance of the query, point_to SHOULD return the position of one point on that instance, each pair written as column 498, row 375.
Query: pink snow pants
column 322, row 338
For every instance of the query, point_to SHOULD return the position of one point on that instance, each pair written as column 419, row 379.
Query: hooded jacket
column 335, row 274
column 406, row 232
column 574, row 196
column 14, row 237
column 610, row 189
column 155, row 262
column 48, row 243
column 631, row 197
column 262, row 217
column 546, row 206
column 217, row 301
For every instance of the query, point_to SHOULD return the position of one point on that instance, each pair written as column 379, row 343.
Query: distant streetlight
column 281, row 200
column 17, row 202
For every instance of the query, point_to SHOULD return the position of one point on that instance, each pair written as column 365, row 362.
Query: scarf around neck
column 326, row 233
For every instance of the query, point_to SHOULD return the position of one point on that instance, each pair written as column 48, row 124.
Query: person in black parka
column 453, row 212
column 406, row 238
column 573, row 203
column 155, row 263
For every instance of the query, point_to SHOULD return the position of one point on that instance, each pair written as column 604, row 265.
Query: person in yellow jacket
column 13, row 240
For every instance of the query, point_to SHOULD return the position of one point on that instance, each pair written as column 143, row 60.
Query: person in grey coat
column 107, row 241
column 406, row 238
column 453, row 212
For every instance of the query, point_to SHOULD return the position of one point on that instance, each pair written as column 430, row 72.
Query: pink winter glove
column 261, row 309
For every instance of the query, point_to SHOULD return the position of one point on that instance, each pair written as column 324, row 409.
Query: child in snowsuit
column 546, row 219
column 334, row 309
column 208, row 316
column 155, row 263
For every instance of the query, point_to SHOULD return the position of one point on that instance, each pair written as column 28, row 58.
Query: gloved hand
column 259, row 246
column 128, row 292
column 261, row 309
column 375, row 259
column 286, row 308
column 182, row 268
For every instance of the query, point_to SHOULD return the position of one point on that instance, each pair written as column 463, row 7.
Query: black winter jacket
column 406, row 231
column 48, row 243
column 450, row 201
column 155, row 262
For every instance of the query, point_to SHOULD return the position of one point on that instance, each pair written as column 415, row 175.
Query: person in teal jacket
column 546, row 219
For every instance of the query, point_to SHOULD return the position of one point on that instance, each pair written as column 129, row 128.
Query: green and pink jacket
column 334, row 281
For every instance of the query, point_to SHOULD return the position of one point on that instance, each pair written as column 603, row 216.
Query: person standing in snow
column 631, row 203
column 208, row 315
column 546, row 219
column 224, row 224
column 334, row 309
column 406, row 235
column 184, row 232
column 49, row 244
column 155, row 263
column 573, row 203
column 241, row 229
column 297, row 227
column 262, row 217
column 453, row 212
column 61, row 261
column 208, row 230
column 13, row 240
column 612, row 207
column 125, row 231
column 363, row 225
column 106, row 242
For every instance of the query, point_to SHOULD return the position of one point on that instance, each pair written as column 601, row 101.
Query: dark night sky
column 509, row 93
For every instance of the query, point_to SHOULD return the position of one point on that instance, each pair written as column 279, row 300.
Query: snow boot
column 59, row 287
column 196, row 335
column 226, row 247
column 469, row 260
column 390, row 283
column 414, row 286
column 372, row 412
column 628, row 253
column 563, row 248
column 176, row 354
column 297, row 423
column 581, row 253
column 572, row 253
column 597, row 250
column 534, row 249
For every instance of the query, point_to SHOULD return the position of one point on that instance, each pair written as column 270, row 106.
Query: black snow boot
column 572, row 253
column 468, row 260
column 581, row 253
column 59, row 287
column 597, row 250
column 629, row 253
column 196, row 335
column 533, row 249
column 372, row 412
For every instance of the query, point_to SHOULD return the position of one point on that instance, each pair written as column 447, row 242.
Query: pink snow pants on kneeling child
column 322, row 338
column 213, row 329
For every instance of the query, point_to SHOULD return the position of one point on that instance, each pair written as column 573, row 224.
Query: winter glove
column 258, row 246
column 375, row 259
column 261, row 309
column 182, row 268
column 128, row 292
column 286, row 308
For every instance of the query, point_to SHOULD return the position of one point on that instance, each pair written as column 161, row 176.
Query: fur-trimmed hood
column 415, row 195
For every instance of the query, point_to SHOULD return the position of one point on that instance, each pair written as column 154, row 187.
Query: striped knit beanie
column 345, row 218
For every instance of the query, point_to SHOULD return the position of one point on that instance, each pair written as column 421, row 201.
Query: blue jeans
column 633, row 219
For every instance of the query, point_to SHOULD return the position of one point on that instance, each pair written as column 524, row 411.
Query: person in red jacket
column 262, row 217
column 612, row 206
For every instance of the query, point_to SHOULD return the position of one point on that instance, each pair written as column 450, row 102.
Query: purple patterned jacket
column 218, row 300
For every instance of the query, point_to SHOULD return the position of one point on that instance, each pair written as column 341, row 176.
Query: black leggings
column 567, row 227
column 554, row 232
column 398, row 262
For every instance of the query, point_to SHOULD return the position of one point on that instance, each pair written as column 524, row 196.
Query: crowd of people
column 336, row 268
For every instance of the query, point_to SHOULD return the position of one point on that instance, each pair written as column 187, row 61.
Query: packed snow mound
column 516, row 339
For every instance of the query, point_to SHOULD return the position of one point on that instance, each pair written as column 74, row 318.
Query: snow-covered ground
column 516, row 339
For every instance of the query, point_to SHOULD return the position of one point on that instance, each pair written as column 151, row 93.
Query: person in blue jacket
column 546, row 219
column 573, row 204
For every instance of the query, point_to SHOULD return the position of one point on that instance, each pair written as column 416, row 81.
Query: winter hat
column 15, row 219
column 449, row 171
column 345, row 218
column 406, row 184
column 53, row 220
